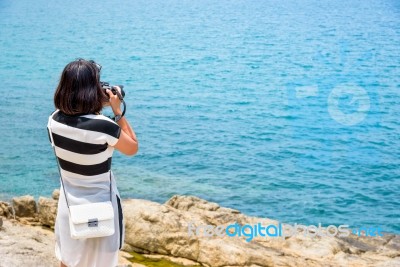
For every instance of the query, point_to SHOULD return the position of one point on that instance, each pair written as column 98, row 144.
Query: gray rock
column 24, row 206
column 163, row 229
column 56, row 194
column 6, row 209
column 25, row 245
column 47, row 211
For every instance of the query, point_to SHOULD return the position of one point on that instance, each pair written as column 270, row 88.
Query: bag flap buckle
column 93, row 222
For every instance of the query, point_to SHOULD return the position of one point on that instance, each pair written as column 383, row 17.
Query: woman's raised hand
column 115, row 103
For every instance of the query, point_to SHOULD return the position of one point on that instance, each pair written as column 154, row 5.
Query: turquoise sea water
column 282, row 109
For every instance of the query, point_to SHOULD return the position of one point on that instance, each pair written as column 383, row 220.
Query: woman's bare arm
column 127, row 142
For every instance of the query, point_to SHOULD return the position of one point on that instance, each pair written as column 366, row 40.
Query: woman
column 84, row 142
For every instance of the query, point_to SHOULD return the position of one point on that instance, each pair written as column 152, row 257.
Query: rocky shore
column 168, row 232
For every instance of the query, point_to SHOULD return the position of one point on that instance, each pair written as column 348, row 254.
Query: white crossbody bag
column 87, row 220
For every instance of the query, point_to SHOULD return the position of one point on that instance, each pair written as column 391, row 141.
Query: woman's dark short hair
column 79, row 91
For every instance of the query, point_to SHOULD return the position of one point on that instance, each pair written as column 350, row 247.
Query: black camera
column 114, row 90
column 106, row 85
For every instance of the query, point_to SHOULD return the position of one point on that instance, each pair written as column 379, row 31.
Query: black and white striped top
column 84, row 148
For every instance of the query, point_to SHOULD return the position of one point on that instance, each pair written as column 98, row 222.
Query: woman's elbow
column 132, row 150
column 127, row 146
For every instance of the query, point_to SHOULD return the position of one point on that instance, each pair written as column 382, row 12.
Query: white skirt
column 90, row 252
